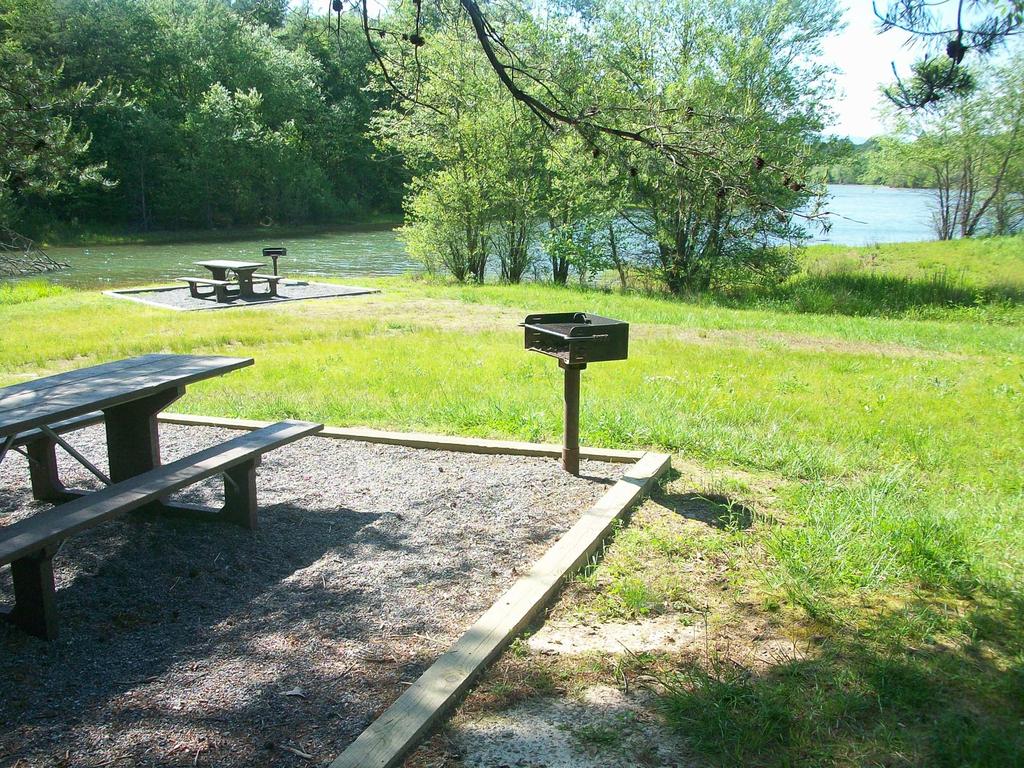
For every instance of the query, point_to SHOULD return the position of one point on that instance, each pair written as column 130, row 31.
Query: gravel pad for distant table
column 180, row 298
column 200, row 643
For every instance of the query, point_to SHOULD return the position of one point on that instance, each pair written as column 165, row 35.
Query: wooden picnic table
column 130, row 393
column 243, row 271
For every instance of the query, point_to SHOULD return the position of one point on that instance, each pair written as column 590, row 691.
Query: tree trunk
column 142, row 194
column 515, row 258
column 477, row 255
column 620, row 266
column 559, row 266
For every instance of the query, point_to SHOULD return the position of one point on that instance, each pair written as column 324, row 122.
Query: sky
column 864, row 58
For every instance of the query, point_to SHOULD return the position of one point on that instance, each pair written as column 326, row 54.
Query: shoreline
column 384, row 221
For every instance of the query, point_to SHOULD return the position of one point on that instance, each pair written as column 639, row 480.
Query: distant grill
column 575, row 339
column 275, row 254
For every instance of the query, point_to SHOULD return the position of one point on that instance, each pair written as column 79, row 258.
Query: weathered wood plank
column 204, row 281
column 142, row 367
column 112, row 374
column 419, row 440
column 230, row 264
column 74, row 393
column 62, row 379
column 386, row 741
column 54, row 525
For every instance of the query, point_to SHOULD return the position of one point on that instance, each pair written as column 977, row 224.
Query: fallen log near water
column 19, row 256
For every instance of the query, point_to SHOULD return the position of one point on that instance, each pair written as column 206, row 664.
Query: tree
column 446, row 223
column 336, row 133
column 583, row 201
column 396, row 43
column 270, row 12
column 475, row 158
column 150, row 88
column 41, row 151
column 973, row 150
column 739, row 80
column 958, row 27
column 728, row 84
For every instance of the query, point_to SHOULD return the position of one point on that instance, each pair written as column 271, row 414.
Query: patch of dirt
column 662, row 633
column 800, row 342
column 449, row 314
column 603, row 728
column 456, row 315
column 583, row 692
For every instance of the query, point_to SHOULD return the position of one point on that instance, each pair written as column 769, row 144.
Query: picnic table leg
column 42, row 470
column 240, row 495
column 133, row 443
column 35, row 604
column 245, row 285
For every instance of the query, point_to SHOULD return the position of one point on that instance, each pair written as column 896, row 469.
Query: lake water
column 863, row 215
column 349, row 253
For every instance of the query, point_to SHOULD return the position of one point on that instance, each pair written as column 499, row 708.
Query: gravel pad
column 291, row 290
column 187, row 642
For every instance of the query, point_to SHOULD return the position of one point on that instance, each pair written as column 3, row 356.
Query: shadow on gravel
column 187, row 642
column 144, row 599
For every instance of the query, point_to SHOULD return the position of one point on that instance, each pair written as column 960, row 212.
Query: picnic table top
column 229, row 264
column 73, row 393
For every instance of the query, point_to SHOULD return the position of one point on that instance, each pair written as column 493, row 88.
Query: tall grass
column 24, row 291
column 941, row 295
column 981, row 261
column 857, row 703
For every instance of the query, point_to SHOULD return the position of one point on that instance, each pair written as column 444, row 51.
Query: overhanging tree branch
column 936, row 78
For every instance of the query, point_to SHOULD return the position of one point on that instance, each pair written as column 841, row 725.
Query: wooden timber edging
column 418, row 440
column 390, row 737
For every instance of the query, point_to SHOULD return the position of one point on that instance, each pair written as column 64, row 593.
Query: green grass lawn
column 889, row 430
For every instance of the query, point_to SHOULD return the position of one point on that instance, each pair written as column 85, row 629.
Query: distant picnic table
column 126, row 397
column 223, row 288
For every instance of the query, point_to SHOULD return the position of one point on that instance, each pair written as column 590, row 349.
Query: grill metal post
column 571, row 436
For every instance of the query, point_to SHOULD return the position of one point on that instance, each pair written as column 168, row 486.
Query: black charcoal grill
column 575, row 339
column 275, row 254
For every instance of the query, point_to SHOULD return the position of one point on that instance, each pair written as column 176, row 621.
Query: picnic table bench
column 219, row 288
column 126, row 397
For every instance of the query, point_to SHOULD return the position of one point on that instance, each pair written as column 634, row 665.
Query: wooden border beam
column 419, row 440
